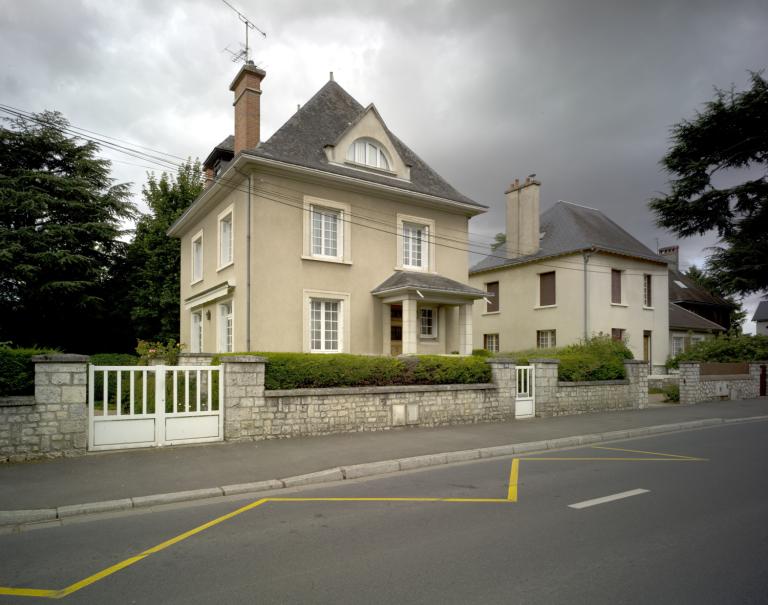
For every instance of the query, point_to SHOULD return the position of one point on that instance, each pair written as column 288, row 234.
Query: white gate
column 525, row 402
column 145, row 406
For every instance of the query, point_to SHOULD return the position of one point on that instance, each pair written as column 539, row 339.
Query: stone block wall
column 695, row 388
column 55, row 421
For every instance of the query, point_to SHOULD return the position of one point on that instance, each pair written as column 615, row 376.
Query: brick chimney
column 523, row 217
column 247, row 89
column 671, row 253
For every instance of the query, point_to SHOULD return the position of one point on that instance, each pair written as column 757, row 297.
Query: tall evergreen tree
column 60, row 224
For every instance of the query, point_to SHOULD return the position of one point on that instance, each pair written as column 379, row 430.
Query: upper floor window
column 326, row 234
column 226, row 241
column 616, row 286
column 197, row 257
column 368, row 152
column 415, row 249
column 647, row 291
column 493, row 299
column 547, row 294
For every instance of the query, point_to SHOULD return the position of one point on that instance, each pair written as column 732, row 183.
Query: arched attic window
column 369, row 153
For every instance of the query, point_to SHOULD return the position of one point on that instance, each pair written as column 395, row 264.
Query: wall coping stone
column 592, row 383
column 16, row 401
column 406, row 388
column 60, row 358
column 544, row 360
column 501, row 360
column 721, row 377
column 243, row 359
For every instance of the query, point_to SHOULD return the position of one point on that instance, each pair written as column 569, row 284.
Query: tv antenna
column 244, row 53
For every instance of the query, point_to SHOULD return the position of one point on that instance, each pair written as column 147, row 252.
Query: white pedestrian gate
column 145, row 406
column 525, row 402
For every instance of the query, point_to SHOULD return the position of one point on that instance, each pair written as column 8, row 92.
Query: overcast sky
column 582, row 93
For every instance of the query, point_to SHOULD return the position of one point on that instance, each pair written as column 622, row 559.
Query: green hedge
column 17, row 372
column 113, row 359
column 599, row 358
column 306, row 371
column 727, row 348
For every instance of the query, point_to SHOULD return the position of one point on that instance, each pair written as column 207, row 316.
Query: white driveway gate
column 525, row 402
column 145, row 406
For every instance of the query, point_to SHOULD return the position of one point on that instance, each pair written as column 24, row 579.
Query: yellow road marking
column 287, row 499
column 513, row 472
column 612, row 459
column 27, row 592
column 619, row 449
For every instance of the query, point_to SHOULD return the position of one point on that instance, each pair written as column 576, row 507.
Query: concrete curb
column 355, row 471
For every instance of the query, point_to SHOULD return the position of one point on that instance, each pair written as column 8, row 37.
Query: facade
column 568, row 274
column 328, row 237
column 761, row 318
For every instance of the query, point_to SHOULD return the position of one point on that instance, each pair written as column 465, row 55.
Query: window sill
column 222, row 267
column 327, row 259
column 197, row 281
column 613, row 304
column 491, row 313
column 537, row 307
column 416, row 269
column 429, row 338
column 316, row 352
column 648, row 308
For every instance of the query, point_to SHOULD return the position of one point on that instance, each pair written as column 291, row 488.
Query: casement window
column 196, row 332
column 678, row 345
column 325, row 326
column 617, row 333
column 327, row 232
column 547, row 294
column 616, row 286
column 428, row 322
column 647, row 291
column 491, row 342
column 368, row 153
column 545, row 339
column 492, row 306
column 197, row 257
column 226, row 240
column 415, row 246
column 226, row 326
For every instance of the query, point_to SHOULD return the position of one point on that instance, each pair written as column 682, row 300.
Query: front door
column 647, row 350
column 396, row 330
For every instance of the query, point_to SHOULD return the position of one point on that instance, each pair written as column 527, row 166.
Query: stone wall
column 52, row 423
column 558, row 398
column 695, row 388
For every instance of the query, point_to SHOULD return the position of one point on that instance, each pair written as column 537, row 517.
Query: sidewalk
column 110, row 476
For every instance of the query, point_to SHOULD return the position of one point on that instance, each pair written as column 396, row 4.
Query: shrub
column 671, row 393
column 113, row 359
column 729, row 347
column 167, row 351
column 481, row 353
column 17, row 372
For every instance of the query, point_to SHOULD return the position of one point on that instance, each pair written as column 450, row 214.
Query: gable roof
column 569, row 228
column 761, row 313
column 683, row 289
column 683, row 319
column 321, row 121
column 429, row 282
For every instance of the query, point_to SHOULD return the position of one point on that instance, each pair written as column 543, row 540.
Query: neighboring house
column 569, row 274
column 686, row 328
column 331, row 236
column 761, row 318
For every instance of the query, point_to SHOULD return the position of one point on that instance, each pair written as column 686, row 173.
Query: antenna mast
column 244, row 54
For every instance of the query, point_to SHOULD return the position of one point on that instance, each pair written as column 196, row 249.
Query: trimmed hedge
column 113, row 359
column 312, row 371
column 730, row 347
column 17, row 372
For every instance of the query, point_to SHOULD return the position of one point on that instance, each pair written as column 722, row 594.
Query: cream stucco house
column 568, row 274
column 331, row 236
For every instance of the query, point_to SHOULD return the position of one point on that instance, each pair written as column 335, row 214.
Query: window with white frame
column 197, row 257
column 225, row 327
column 369, row 153
column 326, row 232
column 196, row 333
column 415, row 246
column 428, row 322
column 226, row 244
column 325, row 326
column 491, row 342
column 678, row 345
column 545, row 339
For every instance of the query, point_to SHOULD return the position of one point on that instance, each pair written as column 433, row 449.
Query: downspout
column 586, row 254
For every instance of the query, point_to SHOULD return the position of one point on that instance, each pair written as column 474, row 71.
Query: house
column 566, row 275
column 331, row 236
column 761, row 318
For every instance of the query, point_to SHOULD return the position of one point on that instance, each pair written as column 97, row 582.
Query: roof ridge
column 579, row 205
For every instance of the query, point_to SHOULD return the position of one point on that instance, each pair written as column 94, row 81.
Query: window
column 678, row 345
column 617, row 334
column 547, row 296
column 616, row 286
column 492, row 306
column 491, row 342
column 647, row 291
column 415, row 238
column 427, row 322
column 197, row 257
column 326, row 235
column 196, row 335
column 225, row 327
column 226, row 255
column 369, row 153
column 545, row 339
column 325, row 335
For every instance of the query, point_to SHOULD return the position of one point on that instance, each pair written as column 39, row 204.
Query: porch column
column 410, row 339
column 386, row 329
column 465, row 329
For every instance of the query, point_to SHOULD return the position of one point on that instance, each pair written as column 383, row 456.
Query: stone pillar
column 465, row 329
column 690, row 391
column 637, row 374
column 755, row 370
column 243, row 378
column 61, row 400
column 505, row 378
column 386, row 329
column 410, row 328
column 545, row 380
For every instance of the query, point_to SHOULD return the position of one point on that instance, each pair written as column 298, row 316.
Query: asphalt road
column 697, row 534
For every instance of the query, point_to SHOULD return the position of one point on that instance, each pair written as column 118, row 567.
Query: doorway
column 647, row 348
column 396, row 330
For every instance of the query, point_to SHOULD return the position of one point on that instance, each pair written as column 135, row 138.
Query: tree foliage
column 730, row 134
column 737, row 314
column 498, row 241
column 60, row 228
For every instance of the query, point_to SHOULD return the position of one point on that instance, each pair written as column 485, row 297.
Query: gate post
column 243, row 396
column 545, row 385
column 503, row 376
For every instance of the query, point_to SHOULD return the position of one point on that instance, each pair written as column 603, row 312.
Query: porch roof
column 404, row 281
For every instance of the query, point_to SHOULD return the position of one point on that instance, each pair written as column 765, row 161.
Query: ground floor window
column 678, row 345
column 617, row 333
column 491, row 342
column 225, row 327
column 324, row 326
column 196, row 335
column 427, row 322
column 545, row 339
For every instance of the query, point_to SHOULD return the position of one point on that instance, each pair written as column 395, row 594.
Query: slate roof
column 569, row 228
column 412, row 280
column 761, row 313
column 683, row 319
column 321, row 121
column 691, row 291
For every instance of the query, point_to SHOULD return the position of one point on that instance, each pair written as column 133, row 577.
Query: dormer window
column 368, row 153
